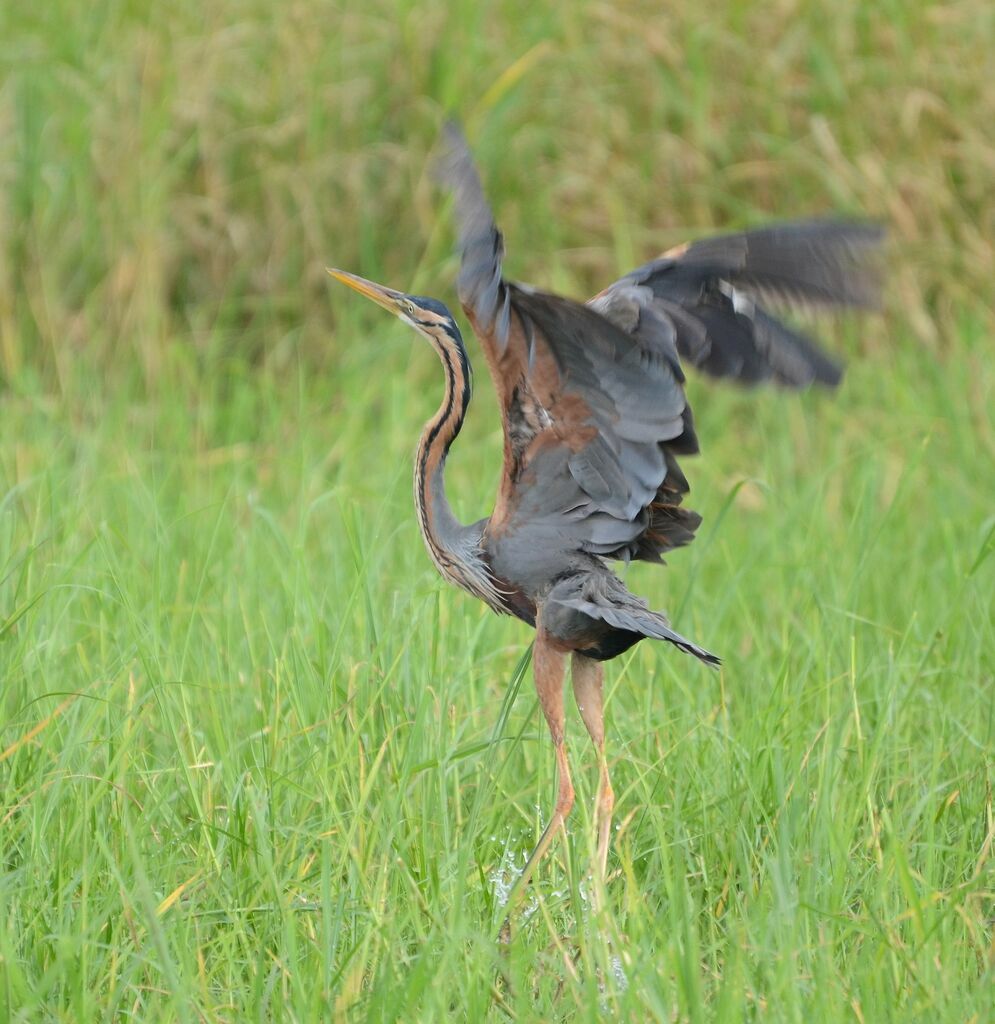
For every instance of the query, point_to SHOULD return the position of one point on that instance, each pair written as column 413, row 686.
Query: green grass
column 256, row 761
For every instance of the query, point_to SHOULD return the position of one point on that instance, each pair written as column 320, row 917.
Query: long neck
column 440, row 528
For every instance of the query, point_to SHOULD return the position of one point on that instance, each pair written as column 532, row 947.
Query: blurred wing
column 593, row 416
column 707, row 297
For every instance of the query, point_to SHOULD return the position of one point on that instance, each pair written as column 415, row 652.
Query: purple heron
column 595, row 417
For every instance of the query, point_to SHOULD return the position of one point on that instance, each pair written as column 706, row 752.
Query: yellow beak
column 386, row 297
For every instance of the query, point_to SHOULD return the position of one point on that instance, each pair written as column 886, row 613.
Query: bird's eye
column 409, row 308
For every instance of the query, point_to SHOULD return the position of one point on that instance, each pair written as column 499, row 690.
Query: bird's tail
column 618, row 608
column 656, row 626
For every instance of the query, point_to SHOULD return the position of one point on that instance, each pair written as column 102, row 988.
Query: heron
column 595, row 417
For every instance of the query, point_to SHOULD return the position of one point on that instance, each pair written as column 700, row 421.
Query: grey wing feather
column 593, row 415
column 820, row 262
column 705, row 300
column 632, row 404
column 480, row 284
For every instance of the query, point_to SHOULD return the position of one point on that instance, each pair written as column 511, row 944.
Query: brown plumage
column 595, row 417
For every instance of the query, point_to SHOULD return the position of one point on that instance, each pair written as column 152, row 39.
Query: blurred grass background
column 183, row 175
column 254, row 758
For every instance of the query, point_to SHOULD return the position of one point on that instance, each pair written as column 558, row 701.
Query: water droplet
column 618, row 973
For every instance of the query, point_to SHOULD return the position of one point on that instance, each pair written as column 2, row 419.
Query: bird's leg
column 588, row 678
column 549, row 669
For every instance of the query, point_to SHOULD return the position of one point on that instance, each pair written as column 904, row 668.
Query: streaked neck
column 442, row 531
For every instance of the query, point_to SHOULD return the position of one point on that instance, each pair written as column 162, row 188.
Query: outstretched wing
column 707, row 298
column 594, row 417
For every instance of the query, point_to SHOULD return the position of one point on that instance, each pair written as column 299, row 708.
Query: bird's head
column 427, row 316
